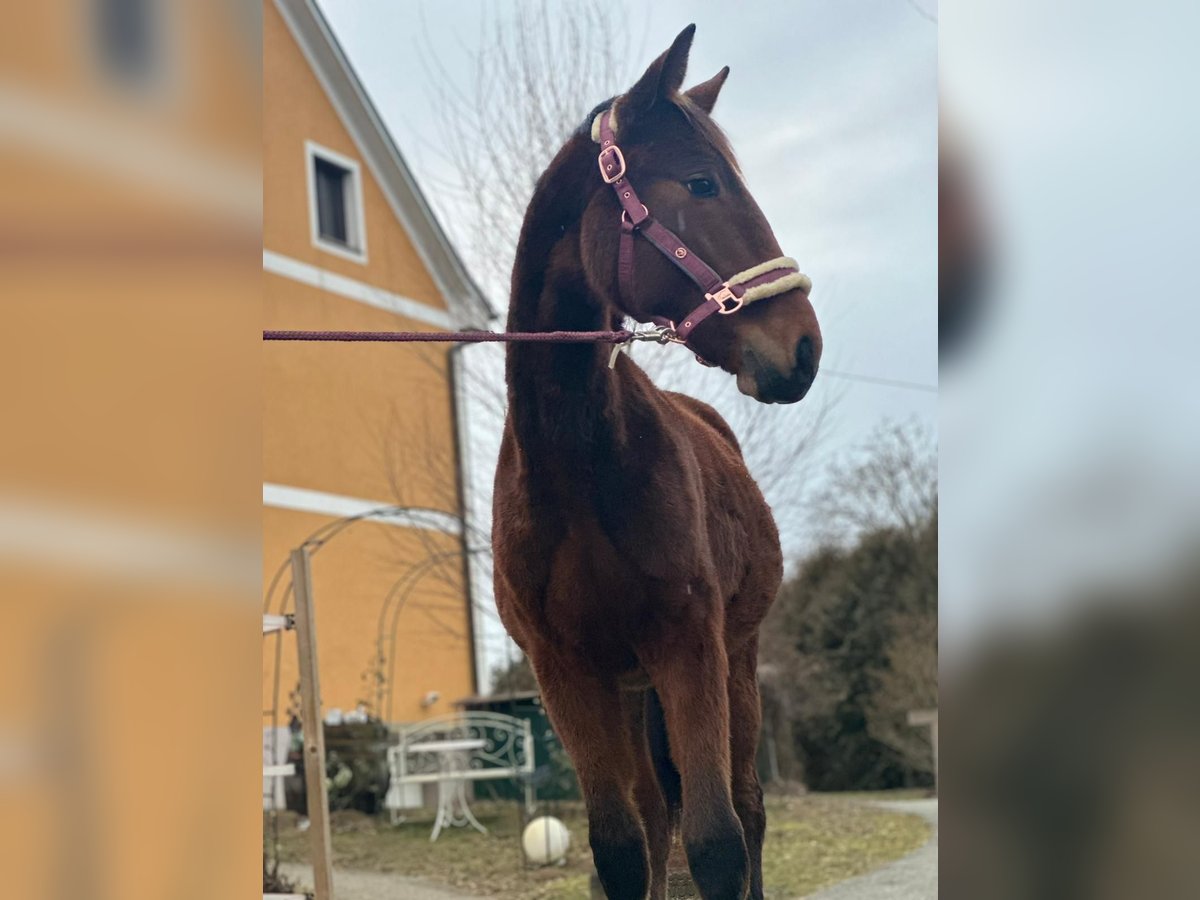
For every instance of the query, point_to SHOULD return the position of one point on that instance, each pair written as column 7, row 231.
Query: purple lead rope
column 469, row 337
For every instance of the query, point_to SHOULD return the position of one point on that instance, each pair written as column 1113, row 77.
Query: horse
column 635, row 556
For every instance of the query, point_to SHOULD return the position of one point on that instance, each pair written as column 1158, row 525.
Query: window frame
column 356, row 231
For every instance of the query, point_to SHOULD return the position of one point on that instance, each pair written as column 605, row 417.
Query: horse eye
column 702, row 187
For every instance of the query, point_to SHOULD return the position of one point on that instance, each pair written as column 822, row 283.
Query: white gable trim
column 351, row 289
column 284, row 496
column 332, row 69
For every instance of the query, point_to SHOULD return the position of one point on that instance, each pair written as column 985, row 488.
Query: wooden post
column 314, row 727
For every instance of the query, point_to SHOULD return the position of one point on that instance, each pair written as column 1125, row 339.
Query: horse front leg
column 689, row 669
column 587, row 715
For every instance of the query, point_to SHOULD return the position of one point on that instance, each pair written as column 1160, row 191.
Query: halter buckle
column 727, row 301
column 612, row 164
column 668, row 335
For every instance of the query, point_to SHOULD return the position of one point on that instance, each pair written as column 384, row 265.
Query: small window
column 331, row 200
column 335, row 200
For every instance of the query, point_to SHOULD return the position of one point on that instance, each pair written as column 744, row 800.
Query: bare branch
column 891, row 482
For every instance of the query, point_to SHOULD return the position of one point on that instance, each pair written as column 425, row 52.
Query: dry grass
column 812, row 841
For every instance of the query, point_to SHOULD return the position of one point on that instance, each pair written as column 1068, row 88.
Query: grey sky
column 832, row 109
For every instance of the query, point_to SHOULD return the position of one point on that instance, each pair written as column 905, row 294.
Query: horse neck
column 566, row 404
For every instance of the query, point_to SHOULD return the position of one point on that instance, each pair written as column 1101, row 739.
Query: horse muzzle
column 768, row 383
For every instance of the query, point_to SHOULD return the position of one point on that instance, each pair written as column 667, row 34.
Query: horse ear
column 664, row 76
column 704, row 95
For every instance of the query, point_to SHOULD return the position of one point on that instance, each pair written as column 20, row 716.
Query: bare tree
column 891, row 482
column 538, row 69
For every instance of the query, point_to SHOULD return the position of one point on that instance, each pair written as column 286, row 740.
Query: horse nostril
column 806, row 361
column 775, row 385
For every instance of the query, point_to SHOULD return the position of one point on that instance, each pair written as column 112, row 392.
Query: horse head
column 688, row 180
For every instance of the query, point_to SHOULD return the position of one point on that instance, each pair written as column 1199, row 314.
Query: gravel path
column 913, row 877
column 352, row 885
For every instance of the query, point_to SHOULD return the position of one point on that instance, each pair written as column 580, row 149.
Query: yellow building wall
column 367, row 421
column 363, row 420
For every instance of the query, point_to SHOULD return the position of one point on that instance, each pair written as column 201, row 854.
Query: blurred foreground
column 129, row 498
column 1070, row 431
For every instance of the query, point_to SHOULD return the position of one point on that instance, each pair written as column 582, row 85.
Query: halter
column 723, row 297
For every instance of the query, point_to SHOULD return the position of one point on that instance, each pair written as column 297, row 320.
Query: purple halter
column 720, row 296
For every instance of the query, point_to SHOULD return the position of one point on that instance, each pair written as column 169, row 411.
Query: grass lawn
column 812, row 841
column 903, row 794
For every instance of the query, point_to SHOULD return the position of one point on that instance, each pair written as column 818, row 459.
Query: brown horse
column 635, row 557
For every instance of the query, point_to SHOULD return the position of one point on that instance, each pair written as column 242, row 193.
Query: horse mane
column 559, row 198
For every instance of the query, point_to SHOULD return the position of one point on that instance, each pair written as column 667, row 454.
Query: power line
column 923, row 13
column 887, row 382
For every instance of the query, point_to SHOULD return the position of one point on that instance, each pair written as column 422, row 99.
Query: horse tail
column 660, row 755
